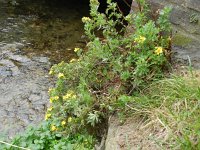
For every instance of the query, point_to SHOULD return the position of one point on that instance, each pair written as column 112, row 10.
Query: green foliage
column 41, row 138
column 115, row 63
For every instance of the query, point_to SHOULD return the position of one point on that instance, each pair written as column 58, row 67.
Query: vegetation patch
column 172, row 107
column 115, row 66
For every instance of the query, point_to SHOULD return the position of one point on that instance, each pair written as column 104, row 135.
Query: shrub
column 114, row 63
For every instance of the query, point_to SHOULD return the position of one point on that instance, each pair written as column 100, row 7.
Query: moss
column 181, row 40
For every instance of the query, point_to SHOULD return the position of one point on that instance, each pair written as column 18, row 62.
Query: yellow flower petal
column 67, row 96
column 50, row 109
column 76, row 49
column 85, row 19
column 49, row 90
column 47, row 116
column 53, row 128
column 63, row 123
column 70, row 94
column 140, row 39
column 56, row 97
column 51, row 100
column 61, row 75
column 51, row 72
column 69, row 119
column 72, row 60
column 158, row 50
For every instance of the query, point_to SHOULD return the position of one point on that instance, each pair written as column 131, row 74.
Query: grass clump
column 171, row 106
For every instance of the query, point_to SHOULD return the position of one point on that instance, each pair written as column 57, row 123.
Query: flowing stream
column 34, row 35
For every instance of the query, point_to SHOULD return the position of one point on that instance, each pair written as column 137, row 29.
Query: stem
column 14, row 145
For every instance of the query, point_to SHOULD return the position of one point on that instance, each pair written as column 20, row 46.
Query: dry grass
column 172, row 111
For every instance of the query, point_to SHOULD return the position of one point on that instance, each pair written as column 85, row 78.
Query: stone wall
column 185, row 18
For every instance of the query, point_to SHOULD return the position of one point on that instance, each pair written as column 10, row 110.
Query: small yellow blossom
column 50, row 72
column 85, row 19
column 49, row 91
column 50, row 109
column 70, row 94
column 66, row 97
column 158, row 50
column 76, row 49
column 63, row 123
column 61, row 75
column 47, row 116
column 69, row 119
column 53, row 128
column 55, row 98
column 51, row 100
column 72, row 60
column 141, row 39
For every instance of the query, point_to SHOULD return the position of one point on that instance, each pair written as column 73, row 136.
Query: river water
column 34, row 35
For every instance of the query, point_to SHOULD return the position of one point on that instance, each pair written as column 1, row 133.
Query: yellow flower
column 67, row 96
column 50, row 72
column 63, row 123
column 55, row 98
column 51, row 100
column 158, row 50
column 72, row 60
column 85, row 19
column 61, row 75
column 69, row 119
column 50, row 109
column 47, row 116
column 49, row 90
column 70, row 94
column 53, row 128
column 141, row 39
column 76, row 49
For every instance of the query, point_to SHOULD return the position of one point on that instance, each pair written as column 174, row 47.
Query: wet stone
column 23, row 90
